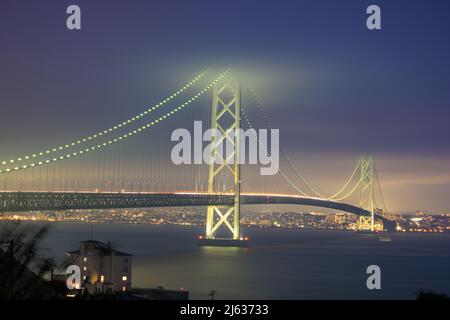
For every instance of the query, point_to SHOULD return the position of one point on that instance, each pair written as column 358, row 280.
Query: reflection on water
column 279, row 264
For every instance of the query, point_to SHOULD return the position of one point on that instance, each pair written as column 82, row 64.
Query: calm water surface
column 280, row 264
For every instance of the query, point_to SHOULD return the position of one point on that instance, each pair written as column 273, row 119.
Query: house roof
column 102, row 249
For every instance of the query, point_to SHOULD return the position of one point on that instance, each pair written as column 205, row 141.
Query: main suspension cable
column 379, row 188
column 109, row 130
column 122, row 137
column 284, row 154
column 265, row 150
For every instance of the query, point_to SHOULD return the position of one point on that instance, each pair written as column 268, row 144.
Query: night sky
column 335, row 89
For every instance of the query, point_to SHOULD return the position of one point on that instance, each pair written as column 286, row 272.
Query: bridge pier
column 364, row 223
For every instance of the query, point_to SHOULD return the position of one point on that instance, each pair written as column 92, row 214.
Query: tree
column 428, row 295
column 22, row 267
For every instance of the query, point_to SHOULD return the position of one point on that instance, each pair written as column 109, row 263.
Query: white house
column 103, row 269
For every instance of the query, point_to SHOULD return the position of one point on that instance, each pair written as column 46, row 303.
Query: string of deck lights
column 109, row 130
column 122, row 137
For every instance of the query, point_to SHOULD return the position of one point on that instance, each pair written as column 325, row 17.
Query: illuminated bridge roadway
column 35, row 201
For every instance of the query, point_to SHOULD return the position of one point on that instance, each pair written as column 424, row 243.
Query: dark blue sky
column 336, row 89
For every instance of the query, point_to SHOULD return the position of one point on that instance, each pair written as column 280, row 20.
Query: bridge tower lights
column 225, row 118
column 366, row 193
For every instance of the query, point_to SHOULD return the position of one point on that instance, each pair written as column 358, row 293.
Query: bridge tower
column 366, row 193
column 225, row 119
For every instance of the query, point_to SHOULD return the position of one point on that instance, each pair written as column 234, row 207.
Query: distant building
column 103, row 269
column 340, row 219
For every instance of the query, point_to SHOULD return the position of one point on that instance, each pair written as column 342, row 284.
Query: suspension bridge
column 124, row 166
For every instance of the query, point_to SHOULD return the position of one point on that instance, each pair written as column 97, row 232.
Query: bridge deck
column 35, row 201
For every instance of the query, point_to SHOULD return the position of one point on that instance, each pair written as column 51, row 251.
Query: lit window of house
column 124, row 278
column 102, row 278
column 124, row 288
column 85, row 259
column 84, row 268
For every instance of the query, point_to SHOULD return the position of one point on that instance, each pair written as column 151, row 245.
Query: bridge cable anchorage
column 121, row 137
column 298, row 174
column 111, row 129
